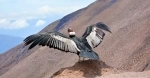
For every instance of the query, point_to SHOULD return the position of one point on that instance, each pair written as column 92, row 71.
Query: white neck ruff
column 72, row 33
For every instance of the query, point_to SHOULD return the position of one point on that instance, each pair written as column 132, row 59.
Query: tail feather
column 91, row 55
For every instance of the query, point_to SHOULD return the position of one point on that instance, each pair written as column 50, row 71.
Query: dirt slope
column 126, row 48
column 95, row 69
column 144, row 74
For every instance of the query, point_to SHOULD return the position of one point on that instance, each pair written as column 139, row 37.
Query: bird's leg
column 79, row 59
column 83, row 58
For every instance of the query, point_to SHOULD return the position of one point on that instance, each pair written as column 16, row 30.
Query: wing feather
column 44, row 41
column 61, row 43
column 53, row 40
column 31, row 38
column 36, row 42
column 93, row 35
column 49, row 40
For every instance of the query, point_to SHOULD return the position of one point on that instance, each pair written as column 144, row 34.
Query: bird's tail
column 91, row 55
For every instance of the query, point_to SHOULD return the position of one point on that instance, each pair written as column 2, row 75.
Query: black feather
column 30, row 39
column 87, row 32
column 102, row 26
column 36, row 42
column 51, row 43
column 49, row 40
column 44, row 40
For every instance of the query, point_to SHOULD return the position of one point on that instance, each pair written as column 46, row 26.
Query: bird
column 82, row 46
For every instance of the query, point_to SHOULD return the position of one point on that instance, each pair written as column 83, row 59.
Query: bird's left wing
column 93, row 35
column 53, row 40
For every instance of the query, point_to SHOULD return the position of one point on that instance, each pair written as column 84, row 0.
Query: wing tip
column 103, row 26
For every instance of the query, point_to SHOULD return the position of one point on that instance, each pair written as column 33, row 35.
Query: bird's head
column 71, row 32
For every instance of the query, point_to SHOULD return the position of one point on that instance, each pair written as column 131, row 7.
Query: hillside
column 8, row 42
column 126, row 49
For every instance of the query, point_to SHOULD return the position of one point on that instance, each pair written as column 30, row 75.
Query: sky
column 21, row 18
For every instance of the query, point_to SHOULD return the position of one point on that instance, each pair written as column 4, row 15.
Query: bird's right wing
column 53, row 40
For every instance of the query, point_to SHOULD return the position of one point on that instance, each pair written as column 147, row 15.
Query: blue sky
column 21, row 18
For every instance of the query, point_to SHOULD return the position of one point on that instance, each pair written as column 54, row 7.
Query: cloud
column 4, row 22
column 19, row 24
column 45, row 10
column 48, row 10
column 40, row 23
column 18, row 20
column 41, row 9
column 13, row 24
column 39, row 12
column 12, row 17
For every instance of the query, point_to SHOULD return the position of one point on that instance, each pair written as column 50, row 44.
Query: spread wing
column 53, row 40
column 94, row 35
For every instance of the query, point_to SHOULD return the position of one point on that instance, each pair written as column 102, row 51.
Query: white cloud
column 16, row 24
column 47, row 10
column 15, row 18
column 39, row 12
column 40, row 23
column 19, row 24
column 4, row 22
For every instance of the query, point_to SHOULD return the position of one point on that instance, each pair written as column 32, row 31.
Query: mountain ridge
column 8, row 42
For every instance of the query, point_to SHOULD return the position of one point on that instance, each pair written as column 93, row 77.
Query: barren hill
column 127, row 48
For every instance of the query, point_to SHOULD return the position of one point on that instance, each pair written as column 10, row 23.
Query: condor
column 82, row 46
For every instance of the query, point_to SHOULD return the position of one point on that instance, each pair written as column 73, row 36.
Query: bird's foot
column 81, row 60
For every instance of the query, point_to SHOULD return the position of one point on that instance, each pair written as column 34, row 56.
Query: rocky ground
column 96, row 69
